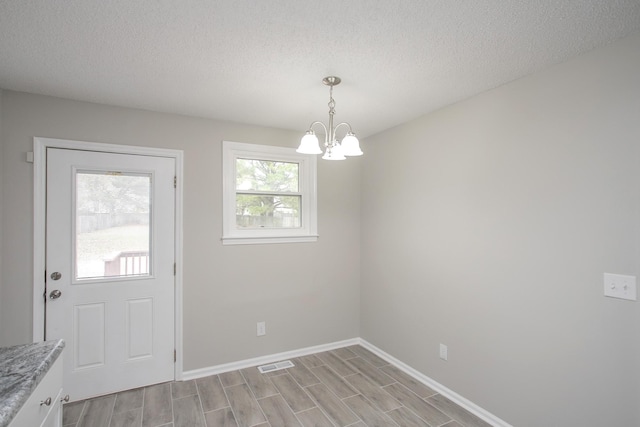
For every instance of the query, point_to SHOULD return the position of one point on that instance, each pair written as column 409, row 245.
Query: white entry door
column 110, row 245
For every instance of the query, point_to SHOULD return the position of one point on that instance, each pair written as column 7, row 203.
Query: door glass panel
column 112, row 220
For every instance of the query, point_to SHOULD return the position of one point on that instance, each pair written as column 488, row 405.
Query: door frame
column 40, row 146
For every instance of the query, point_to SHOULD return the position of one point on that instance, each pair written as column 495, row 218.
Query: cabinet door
column 54, row 419
column 35, row 412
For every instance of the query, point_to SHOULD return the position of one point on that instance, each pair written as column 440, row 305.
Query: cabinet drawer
column 33, row 413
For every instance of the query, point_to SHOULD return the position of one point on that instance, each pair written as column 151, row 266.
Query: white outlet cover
column 443, row 352
column 620, row 286
column 261, row 329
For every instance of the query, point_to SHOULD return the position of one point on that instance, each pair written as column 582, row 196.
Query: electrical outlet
column 262, row 329
column 619, row 286
column 444, row 352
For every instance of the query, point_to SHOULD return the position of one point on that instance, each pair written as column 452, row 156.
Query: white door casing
column 119, row 330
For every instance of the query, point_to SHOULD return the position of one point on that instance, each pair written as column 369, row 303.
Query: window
column 112, row 223
column 269, row 194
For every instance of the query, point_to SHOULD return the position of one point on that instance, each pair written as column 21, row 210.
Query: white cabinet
column 36, row 412
column 54, row 418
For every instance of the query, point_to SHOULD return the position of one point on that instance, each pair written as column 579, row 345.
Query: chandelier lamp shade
column 333, row 150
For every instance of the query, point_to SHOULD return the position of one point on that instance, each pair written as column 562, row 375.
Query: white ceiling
column 262, row 62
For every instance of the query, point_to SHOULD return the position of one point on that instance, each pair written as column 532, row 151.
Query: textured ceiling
column 262, row 62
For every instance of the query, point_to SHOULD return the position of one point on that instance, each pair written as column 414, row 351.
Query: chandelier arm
column 326, row 133
column 335, row 130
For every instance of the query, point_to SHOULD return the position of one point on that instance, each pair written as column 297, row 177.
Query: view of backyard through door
column 110, row 253
column 113, row 218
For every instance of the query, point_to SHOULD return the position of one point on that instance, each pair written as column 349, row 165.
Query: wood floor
column 345, row 387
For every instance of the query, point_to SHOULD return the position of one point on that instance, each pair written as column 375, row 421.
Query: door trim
column 40, row 146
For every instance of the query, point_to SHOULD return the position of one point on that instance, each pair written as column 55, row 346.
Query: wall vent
column 275, row 366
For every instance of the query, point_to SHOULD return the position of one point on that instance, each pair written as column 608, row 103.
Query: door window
column 113, row 224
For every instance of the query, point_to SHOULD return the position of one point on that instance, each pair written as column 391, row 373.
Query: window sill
column 268, row 240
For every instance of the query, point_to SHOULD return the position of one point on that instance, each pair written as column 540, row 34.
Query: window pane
column 263, row 175
column 112, row 225
column 267, row 211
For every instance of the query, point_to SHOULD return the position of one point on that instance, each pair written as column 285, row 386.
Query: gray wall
column 488, row 225
column 227, row 289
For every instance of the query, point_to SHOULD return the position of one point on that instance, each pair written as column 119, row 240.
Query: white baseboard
column 449, row 394
column 436, row 386
column 256, row 361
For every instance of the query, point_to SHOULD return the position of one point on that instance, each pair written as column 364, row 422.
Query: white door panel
column 110, row 248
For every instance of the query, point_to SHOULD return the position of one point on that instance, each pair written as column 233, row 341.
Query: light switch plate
column 620, row 286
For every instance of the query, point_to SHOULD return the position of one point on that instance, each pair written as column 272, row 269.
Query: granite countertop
column 22, row 367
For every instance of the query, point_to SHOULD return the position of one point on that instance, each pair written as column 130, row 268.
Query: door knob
column 55, row 294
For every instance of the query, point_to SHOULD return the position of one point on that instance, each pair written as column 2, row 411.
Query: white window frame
column 307, row 175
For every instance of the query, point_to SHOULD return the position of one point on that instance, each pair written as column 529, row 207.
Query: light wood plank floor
column 345, row 387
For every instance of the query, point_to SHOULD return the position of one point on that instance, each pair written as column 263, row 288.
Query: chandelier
column 350, row 146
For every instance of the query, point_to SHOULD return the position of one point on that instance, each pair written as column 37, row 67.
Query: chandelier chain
column 332, row 103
